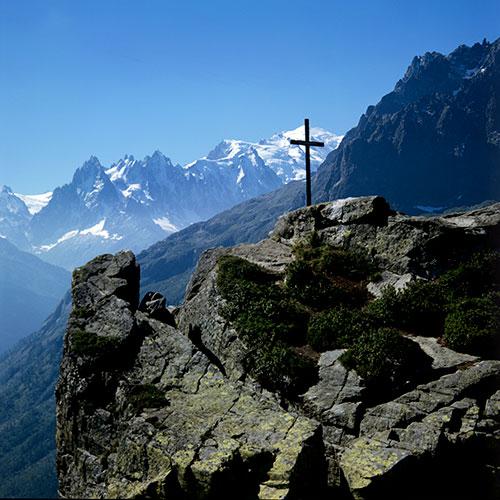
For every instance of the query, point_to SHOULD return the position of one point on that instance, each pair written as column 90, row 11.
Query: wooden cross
column 307, row 143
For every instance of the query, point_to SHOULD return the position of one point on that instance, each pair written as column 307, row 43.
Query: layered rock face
column 148, row 409
column 143, row 411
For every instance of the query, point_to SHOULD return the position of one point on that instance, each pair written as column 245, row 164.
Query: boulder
column 403, row 246
column 154, row 304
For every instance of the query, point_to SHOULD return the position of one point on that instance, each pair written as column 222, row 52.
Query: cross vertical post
column 307, row 143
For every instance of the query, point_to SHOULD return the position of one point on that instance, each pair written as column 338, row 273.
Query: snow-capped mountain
column 35, row 202
column 287, row 160
column 134, row 203
column 14, row 218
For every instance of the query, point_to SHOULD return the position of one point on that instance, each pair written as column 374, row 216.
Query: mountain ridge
column 134, row 203
column 417, row 146
column 29, row 290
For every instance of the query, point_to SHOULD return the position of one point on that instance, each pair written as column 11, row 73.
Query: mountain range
column 135, row 203
column 387, row 138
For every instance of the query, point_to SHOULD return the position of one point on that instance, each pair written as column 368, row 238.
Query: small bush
column 90, row 344
column 333, row 262
column 337, row 328
column 419, row 308
column 304, row 247
column 473, row 325
column 381, row 355
column 274, row 320
column 324, row 277
column 351, row 265
column 313, row 289
column 234, row 270
column 257, row 306
column 478, row 276
column 268, row 322
column 146, row 396
column 279, row 369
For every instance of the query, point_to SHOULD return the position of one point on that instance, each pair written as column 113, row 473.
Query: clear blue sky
column 115, row 77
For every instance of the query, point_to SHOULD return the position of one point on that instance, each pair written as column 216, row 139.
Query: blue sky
column 115, row 77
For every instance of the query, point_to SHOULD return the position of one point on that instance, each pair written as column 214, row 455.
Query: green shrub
column 268, row 322
column 271, row 318
column 474, row 278
column 146, row 396
column 280, row 369
column 332, row 261
column 382, row 354
column 352, row 265
column 234, row 270
column 98, row 347
column 337, row 328
column 257, row 306
column 419, row 308
column 472, row 325
column 304, row 247
column 311, row 288
column 324, row 277
column 274, row 320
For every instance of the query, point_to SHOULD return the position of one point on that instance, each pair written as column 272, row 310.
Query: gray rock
column 429, row 397
column 335, row 399
column 403, row 245
column 207, row 429
column 196, row 434
column 389, row 279
column 203, row 301
column 153, row 304
column 442, row 357
column 106, row 276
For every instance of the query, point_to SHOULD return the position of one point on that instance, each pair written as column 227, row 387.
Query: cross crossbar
column 307, row 143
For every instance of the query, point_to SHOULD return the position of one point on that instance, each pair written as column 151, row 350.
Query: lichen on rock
column 163, row 419
column 152, row 405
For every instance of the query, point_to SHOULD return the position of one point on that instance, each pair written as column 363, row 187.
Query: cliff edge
column 236, row 394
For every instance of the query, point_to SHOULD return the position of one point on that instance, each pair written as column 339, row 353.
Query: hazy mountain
column 29, row 291
column 14, row 218
column 167, row 265
column 27, row 410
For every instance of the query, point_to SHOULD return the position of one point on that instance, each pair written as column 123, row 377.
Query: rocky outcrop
column 153, row 405
column 143, row 412
column 436, row 426
column 203, row 300
column 404, row 247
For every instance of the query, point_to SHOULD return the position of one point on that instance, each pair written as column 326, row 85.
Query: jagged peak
column 157, row 158
column 459, row 64
column 225, row 148
column 90, row 166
